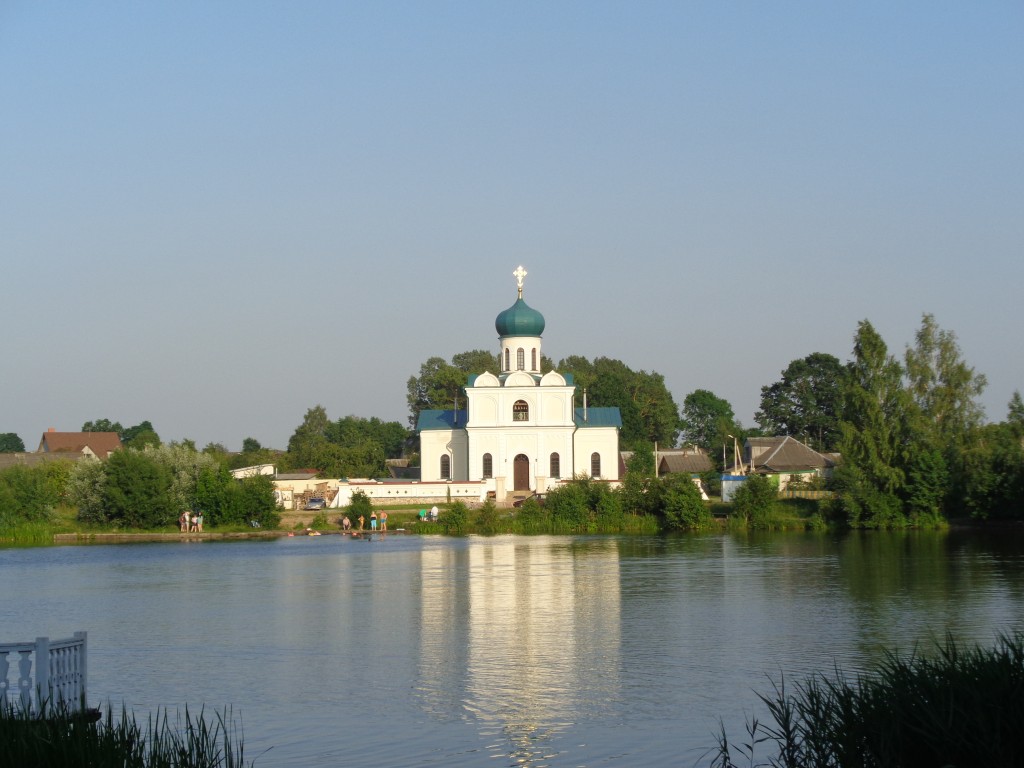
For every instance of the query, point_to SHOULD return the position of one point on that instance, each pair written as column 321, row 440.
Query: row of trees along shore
column 914, row 445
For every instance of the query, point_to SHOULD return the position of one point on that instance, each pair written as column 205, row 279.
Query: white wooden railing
column 46, row 673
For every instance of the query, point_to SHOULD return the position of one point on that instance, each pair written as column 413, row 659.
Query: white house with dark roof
column 521, row 430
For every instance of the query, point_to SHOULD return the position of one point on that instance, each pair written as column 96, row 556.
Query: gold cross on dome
column 519, row 274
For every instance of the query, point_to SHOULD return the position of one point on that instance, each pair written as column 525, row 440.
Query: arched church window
column 595, row 464
column 533, row 360
column 508, row 366
column 520, row 359
column 488, row 467
column 446, row 467
column 520, row 411
column 556, row 466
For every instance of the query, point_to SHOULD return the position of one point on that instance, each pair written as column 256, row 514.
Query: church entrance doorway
column 521, row 473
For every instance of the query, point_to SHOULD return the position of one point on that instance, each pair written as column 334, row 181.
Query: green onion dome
column 519, row 320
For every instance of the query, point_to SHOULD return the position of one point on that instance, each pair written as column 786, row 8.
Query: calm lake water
column 508, row 651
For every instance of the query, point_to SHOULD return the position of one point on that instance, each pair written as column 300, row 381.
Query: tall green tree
column 943, row 389
column 708, row 420
column 313, row 428
column 11, row 443
column 943, row 417
column 869, row 479
column 806, row 402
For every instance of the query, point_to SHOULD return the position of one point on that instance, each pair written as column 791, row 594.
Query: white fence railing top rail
column 45, row 673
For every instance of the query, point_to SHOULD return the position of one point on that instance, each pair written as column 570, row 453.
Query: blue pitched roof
column 599, row 417
column 441, row 420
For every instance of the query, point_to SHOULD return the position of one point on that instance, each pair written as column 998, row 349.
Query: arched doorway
column 521, row 473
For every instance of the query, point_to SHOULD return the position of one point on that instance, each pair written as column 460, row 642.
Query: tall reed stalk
column 61, row 738
column 957, row 707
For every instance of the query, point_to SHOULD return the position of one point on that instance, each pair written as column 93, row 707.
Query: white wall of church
column 494, row 406
column 434, row 444
column 604, row 442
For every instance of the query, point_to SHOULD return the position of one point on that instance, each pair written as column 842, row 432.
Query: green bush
column 31, row 494
column 455, row 518
column 359, row 505
column 682, row 506
column 569, row 507
column 487, row 518
column 756, row 503
column 532, row 517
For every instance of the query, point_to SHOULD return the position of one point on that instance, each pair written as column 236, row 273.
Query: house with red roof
column 96, row 445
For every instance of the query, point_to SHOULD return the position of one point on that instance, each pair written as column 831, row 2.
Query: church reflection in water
column 531, row 628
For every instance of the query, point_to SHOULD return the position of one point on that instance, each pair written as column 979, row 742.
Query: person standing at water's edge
column 383, row 521
column 362, row 522
column 373, row 521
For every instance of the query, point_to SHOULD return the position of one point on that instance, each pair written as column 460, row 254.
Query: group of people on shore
column 191, row 522
column 382, row 520
column 346, row 524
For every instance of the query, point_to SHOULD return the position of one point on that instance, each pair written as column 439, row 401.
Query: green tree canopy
column 1015, row 413
column 313, row 428
column 355, row 431
column 943, row 389
column 103, row 425
column 708, row 420
column 806, row 402
column 649, row 413
column 141, row 435
column 11, row 443
column 438, row 387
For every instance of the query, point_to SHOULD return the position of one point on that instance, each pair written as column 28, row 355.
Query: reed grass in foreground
column 961, row 707
column 62, row 739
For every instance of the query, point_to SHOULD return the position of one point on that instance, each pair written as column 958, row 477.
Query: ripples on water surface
column 572, row 651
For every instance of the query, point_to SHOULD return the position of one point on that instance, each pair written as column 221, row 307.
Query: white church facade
column 521, row 430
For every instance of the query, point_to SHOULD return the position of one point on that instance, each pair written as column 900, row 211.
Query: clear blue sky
column 216, row 215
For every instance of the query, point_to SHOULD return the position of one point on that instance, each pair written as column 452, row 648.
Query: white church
column 521, row 431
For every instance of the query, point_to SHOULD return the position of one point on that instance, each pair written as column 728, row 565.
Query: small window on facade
column 520, row 359
column 488, row 472
column 533, row 360
column 520, row 411
column 446, row 467
column 556, row 467
column 595, row 465
column 508, row 366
